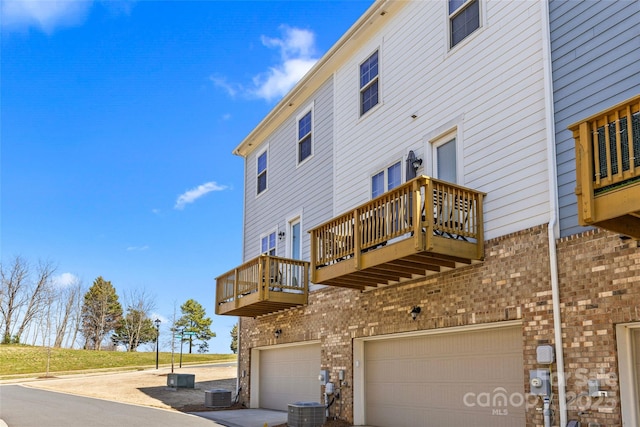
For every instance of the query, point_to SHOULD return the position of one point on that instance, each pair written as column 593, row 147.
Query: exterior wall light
column 277, row 333
column 415, row 311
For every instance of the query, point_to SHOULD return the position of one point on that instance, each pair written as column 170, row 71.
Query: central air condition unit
column 217, row 398
column 306, row 414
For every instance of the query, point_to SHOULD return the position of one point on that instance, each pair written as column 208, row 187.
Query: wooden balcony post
column 263, row 273
column 357, row 239
column 480, row 226
column 428, row 213
column 236, row 283
column 418, row 235
column 584, row 174
column 314, row 253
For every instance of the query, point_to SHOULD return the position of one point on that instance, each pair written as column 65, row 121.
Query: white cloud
column 194, row 194
column 65, row 279
column 44, row 14
column 137, row 248
column 297, row 56
column 297, row 50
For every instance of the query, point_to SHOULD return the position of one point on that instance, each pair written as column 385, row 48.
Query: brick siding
column 599, row 277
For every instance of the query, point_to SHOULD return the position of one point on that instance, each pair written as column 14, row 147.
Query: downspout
column 239, row 331
column 553, row 228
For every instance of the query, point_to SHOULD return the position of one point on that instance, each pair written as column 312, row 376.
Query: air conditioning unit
column 306, row 414
column 217, row 398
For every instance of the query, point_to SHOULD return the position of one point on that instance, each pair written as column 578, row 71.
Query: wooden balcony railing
column 446, row 227
column 264, row 285
column 608, row 168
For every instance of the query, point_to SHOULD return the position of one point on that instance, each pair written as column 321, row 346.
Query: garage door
column 289, row 375
column 473, row 378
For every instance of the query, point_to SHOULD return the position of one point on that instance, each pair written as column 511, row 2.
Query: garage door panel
column 288, row 375
column 423, row 380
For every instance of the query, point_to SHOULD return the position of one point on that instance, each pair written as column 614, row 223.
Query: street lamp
column 157, row 322
column 181, row 341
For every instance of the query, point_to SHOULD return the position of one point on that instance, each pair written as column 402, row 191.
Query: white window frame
column 385, row 171
column 377, row 79
column 274, row 232
column 266, row 172
column 311, row 133
column 291, row 221
column 450, row 17
column 439, row 142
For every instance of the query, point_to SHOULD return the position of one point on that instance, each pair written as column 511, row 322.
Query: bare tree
column 67, row 302
column 136, row 326
column 14, row 294
column 41, row 296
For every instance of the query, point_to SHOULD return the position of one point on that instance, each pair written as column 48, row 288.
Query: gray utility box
column 217, row 398
column 306, row 414
column 181, row 380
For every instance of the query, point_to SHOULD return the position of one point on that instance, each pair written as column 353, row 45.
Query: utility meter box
column 181, row 380
column 540, row 382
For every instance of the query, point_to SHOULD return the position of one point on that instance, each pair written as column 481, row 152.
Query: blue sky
column 118, row 119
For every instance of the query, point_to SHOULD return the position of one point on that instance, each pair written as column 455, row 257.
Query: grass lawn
column 22, row 360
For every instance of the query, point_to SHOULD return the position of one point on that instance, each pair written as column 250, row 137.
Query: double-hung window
column 262, row 172
column 369, row 83
column 305, row 136
column 268, row 244
column 386, row 180
column 464, row 19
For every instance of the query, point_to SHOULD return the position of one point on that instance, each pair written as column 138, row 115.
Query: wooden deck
column 608, row 168
column 264, row 285
column 420, row 228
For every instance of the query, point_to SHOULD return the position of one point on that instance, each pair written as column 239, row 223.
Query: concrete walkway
column 246, row 417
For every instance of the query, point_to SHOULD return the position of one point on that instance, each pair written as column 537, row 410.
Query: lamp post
column 181, row 341
column 157, row 322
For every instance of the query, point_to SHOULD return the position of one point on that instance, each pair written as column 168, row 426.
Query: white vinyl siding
column 503, row 119
column 288, row 184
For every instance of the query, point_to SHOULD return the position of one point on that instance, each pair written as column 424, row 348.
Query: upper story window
column 369, row 83
column 262, row 172
column 386, row 180
column 305, row 136
column 464, row 19
column 268, row 244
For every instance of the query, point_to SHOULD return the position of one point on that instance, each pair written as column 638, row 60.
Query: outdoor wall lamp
column 277, row 333
column 415, row 311
column 281, row 235
column 413, row 163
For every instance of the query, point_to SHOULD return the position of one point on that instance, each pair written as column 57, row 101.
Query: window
column 369, row 83
column 464, row 18
column 262, row 172
column 268, row 244
column 386, row 180
column 305, row 129
column 444, row 159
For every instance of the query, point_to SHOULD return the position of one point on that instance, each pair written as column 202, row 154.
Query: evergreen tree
column 234, row 339
column 101, row 313
column 193, row 320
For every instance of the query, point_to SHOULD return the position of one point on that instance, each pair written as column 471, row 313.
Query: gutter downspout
column 553, row 228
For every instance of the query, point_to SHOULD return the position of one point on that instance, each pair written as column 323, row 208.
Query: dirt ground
column 147, row 387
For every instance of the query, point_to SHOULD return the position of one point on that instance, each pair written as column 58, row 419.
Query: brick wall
column 597, row 271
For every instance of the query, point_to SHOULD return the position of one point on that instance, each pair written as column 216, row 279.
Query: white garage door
column 473, row 378
column 289, row 375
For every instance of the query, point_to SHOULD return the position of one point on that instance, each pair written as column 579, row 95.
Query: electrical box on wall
column 540, row 382
column 544, row 354
column 324, row 376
